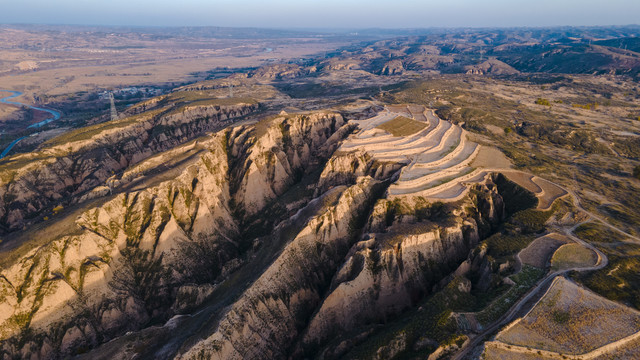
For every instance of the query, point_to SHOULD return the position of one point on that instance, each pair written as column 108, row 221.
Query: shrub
column 589, row 106
column 542, row 101
column 560, row 317
column 636, row 172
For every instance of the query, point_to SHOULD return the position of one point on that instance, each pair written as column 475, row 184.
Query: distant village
column 132, row 92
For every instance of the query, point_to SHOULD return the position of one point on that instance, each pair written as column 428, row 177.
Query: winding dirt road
column 509, row 316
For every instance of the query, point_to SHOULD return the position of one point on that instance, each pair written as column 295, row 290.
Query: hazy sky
column 323, row 13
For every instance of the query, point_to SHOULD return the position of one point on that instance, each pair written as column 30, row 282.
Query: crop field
column 571, row 256
column 550, row 193
column 401, row 109
column 498, row 351
column 524, row 180
column 545, row 191
column 490, row 157
column 541, row 249
column 571, row 320
column 402, row 126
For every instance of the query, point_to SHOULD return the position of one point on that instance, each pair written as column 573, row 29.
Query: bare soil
column 492, row 158
column 570, row 319
column 541, row 249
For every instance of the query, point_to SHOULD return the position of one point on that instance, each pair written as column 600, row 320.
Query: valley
column 399, row 198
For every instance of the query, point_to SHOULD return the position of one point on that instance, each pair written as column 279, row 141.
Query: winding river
column 54, row 116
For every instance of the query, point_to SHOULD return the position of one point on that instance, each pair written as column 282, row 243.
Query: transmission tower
column 114, row 113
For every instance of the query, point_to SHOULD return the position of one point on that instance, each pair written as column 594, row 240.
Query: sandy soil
column 573, row 320
column 93, row 60
column 524, row 180
column 541, row 249
column 550, row 193
column 490, row 157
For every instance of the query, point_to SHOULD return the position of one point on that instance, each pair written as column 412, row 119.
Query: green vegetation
column 589, row 106
column 501, row 245
column 618, row 281
column 597, row 233
column 402, row 126
column 636, row 172
column 517, row 232
column 570, row 256
column 525, row 279
column 549, row 132
column 542, row 101
column 529, row 221
column 432, row 320
column 627, row 147
column 421, row 209
column 560, row 317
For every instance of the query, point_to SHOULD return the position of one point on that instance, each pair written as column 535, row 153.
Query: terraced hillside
column 437, row 157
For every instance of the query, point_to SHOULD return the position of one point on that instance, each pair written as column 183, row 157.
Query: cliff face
column 393, row 67
column 401, row 257
column 355, row 257
column 345, row 167
column 127, row 262
column 87, row 157
column 268, row 171
column 267, row 319
column 333, row 278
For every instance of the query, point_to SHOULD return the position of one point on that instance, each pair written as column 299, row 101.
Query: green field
column 570, row 256
column 402, row 126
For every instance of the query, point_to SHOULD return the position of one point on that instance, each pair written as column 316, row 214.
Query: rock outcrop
column 267, row 319
column 336, row 253
column 279, row 71
column 128, row 261
column 87, row 157
column 409, row 247
column 492, row 67
column 393, row 67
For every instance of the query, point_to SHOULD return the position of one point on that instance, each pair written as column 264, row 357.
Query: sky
column 349, row 14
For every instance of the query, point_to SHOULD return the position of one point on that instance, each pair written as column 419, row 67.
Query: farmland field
column 570, row 319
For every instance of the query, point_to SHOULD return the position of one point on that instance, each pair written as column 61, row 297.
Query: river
column 54, row 116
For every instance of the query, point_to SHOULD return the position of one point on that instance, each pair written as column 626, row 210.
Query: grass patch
column 620, row 279
column 213, row 102
column 572, row 255
column 560, row 317
column 597, row 233
column 500, row 245
column 433, row 322
column 402, row 126
column 87, row 132
column 524, row 280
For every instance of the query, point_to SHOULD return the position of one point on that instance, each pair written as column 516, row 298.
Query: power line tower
column 114, row 113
